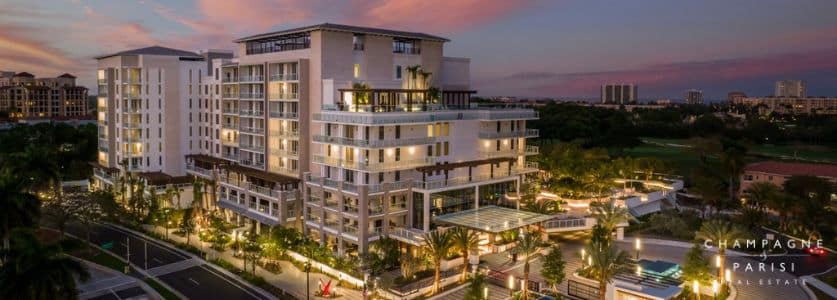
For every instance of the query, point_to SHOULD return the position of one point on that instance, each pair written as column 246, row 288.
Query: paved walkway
column 108, row 284
column 291, row 279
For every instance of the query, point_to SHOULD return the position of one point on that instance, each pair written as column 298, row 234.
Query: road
column 189, row 276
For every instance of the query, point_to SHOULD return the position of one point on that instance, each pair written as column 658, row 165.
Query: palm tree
column 17, row 207
column 527, row 246
column 732, row 164
column 609, row 215
column 464, row 241
column 784, row 204
column 437, row 245
column 760, row 194
column 607, row 260
column 721, row 233
column 36, row 271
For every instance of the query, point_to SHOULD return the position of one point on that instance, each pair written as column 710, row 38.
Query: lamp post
column 714, row 289
column 638, row 246
column 485, row 293
column 583, row 253
column 720, row 267
column 511, row 285
column 696, row 289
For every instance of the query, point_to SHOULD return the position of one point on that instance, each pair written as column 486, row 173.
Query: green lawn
column 802, row 152
column 168, row 295
column 682, row 160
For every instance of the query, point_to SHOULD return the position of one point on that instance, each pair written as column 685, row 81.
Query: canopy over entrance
column 492, row 219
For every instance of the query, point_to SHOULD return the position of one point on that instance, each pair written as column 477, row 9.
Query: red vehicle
column 816, row 251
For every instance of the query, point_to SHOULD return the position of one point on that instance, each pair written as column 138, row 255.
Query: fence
column 582, row 290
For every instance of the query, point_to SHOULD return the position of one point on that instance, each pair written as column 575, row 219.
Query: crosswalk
column 174, row 267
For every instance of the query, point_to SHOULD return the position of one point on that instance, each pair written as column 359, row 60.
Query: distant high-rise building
column 790, row 88
column 735, row 96
column 694, row 96
column 619, row 93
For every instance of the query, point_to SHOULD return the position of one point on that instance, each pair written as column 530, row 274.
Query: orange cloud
column 438, row 15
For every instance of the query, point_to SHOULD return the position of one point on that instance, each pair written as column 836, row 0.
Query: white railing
column 509, row 134
column 373, row 143
column 283, row 96
column 284, row 115
column 245, row 95
column 254, row 130
column 373, row 166
column 252, row 147
column 250, row 78
column 251, row 112
column 284, row 77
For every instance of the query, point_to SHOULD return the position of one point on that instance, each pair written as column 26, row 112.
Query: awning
column 250, row 172
column 244, row 211
column 472, row 163
column 160, row 178
column 97, row 165
column 207, row 159
column 492, row 219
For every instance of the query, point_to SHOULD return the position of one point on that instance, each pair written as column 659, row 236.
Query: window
column 380, row 155
column 397, row 154
column 356, row 71
column 380, row 177
column 397, row 131
column 397, row 176
column 446, row 148
column 397, row 72
column 381, row 132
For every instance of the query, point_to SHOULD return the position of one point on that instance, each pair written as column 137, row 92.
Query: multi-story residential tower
column 694, row 97
column 344, row 132
column 790, row 88
column 619, row 93
column 151, row 114
column 24, row 96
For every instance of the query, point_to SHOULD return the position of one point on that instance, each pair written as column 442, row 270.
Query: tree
column 410, row 264
column 760, row 194
column 18, row 208
column 553, row 267
column 609, row 215
column 187, row 224
column 696, row 266
column 252, row 250
column 89, row 212
column 437, row 245
column 476, row 291
column 732, row 164
column 607, row 260
column 60, row 209
column 216, row 234
column 527, row 246
column 721, row 234
column 812, row 194
column 36, row 271
column 464, row 241
column 386, row 253
column 784, row 205
column 711, row 191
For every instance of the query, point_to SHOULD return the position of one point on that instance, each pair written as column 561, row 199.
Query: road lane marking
column 223, row 277
column 193, row 281
column 157, row 260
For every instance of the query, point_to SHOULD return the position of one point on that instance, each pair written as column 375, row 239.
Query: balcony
column 252, row 147
column 230, row 156
column 373, row 143
column 103, row 148
column 251, row 113
column 251, row 163
column 131, row 109
column 284, row 77
column 131, row 125
column 230, row 95
column 529, row 150
column 284, row 152
column 332, row 203
column 284, row 115
column 102, row 81
column 288, row 134
column 252, row 130
column 528, row 133
column 230, row 110
column 250, row 78
column 198, row 170
column 411, row 236
column 397, row 207
column 373, row 166
column 229, row 79
column 232, row 126
column 253, row 95
column 229, row 142
column 283, row 96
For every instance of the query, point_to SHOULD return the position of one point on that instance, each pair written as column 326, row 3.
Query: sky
column 525, row 48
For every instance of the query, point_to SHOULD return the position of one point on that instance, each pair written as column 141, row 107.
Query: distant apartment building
column 618, row 93
column 777, row 172
column 347, row 133
column 735, row 97
column 694, row 97
column 790, row 88
column 25, row 97
column 789, row 105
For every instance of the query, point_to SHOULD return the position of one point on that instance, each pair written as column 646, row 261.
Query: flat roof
column 155, row 50
column 793, row 168
column 493, row 219
column 346, row 28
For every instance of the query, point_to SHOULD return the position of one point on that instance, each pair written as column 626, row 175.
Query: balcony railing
column 102, row 81
column 283, row 96
column 284, row 77
column 250, row 78
column 252, row 147
column 284, row 115
column 373, row 143
column 230, row 156
column 251, row 113
column 529, row 150
column 230, row 110
column 229, row 126
column 229, row 79
column 230, row 95
column 246, row 95
column 251, row 163
column 199, row 170
column 528, row 133
column 253, row 130
column 373, row 166
column 230, row 142
column 131, row 125
column 284, row 152
column 291, row 134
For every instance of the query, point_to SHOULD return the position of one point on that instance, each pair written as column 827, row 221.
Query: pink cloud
column 254, row 15
column 436, row 15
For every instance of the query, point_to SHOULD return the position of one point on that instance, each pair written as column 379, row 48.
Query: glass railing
column 284, row 152
column 251, row 112
column 373, row 143
column 250, row 78
column 246, row 95
column 283, row 77
column 373, row 166
column 254, row 130
column 284, row 115
column 230, row 156
column 227, row 95
column 288, row 134
column 229, row 126
column 509, row 134
column 230, row 110
column 252, row 147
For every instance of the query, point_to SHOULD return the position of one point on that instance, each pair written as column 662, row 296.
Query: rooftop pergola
column 492, row 219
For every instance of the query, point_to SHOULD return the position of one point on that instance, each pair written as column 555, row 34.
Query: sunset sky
column 519, row 48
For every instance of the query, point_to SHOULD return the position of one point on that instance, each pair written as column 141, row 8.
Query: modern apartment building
column 790, row 88
column 789, row 105
column 694, row 97
column 25, row 97
column 344, row 132
column 619, row 93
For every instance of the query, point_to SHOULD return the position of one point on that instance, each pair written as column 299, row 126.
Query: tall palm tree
column 721, row 234
column 36, row 271
column 437, row 245
column 18, row 208
column 527, row 246
column 760, row 194
column 784, row 204
column 609, row 215
column 464, row 241
column 607, row 260
column 732, row 164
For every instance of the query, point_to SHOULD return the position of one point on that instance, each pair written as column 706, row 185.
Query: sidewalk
column 291, row 279
column 104, row 281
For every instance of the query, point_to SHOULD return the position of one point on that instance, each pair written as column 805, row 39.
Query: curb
column 189, row 254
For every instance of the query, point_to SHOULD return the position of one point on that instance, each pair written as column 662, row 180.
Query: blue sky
column 523, row 48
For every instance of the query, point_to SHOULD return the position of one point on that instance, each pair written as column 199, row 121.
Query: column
column 363, row 218
column 477, row 197
column 426, row 214
column 620, row 233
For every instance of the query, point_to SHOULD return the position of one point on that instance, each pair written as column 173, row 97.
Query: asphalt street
column 196, row 282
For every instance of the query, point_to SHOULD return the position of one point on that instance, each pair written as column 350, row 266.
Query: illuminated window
column 357, row 70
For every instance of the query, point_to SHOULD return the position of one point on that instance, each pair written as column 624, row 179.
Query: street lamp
column 638, row 270
column 511, row 285
column 728, row 276
column 485, row 293
column 714, row 289
column 638, row 247
column 583, row 253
